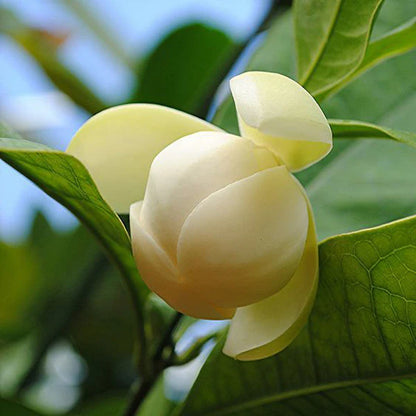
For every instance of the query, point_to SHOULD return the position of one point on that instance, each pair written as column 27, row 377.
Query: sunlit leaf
column 331, row 39
column 394, row 43
column 357, row 355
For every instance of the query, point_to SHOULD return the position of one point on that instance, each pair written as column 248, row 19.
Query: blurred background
column 66, row 337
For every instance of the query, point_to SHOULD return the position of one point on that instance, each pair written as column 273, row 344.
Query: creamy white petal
column 244, row 242
column 161, row 275
column 118, row 146
column 263, row 329
column 278, row 113
column 188, row 171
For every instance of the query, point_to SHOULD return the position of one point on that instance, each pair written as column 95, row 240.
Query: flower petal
column 161, row 275
column 260, row 330
column 118, row 146
column 244, row 242
column 276, row 112
column 188, row 171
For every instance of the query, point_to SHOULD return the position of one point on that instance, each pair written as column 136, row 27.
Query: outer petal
column 188, row 171
column 244, row 242
column 276, row 112
column 118, row 146
column 161, row 275
column 267, row 327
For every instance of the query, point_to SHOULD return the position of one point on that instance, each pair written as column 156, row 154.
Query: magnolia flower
column 220, row 227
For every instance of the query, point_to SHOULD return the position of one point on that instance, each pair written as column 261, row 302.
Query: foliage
column 357, row 353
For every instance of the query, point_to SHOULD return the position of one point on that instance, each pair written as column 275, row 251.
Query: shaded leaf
column 9, row 408
column 357, row 354
column 331, row 39
column 182, row 71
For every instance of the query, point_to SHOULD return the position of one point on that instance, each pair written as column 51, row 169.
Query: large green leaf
column 357, row 354
column 331, row 39
column 66, row 180
column 394, row 43
column 183, row 69
column 9, row 408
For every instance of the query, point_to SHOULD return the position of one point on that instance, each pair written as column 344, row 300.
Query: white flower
column 224, row 229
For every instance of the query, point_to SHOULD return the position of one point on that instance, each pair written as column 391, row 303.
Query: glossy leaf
column 66, row 180
column 182, row 71
column 357, row 355
column 346, row 129
column 394, row 43
column 331, row 39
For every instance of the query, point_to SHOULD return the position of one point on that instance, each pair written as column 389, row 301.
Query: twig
column 167, row 338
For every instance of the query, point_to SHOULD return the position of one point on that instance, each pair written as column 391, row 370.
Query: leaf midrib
column 320, row 388
column 322, row 47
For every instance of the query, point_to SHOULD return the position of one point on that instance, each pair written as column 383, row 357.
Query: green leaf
column 331, row 39
column 9, row 408
column 357, row 354
column 394, row 43
column 182, row 71
column 65, row 179
column 345, row 129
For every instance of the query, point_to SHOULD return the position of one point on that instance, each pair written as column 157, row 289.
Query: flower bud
column 224, row 229
column 221, row 208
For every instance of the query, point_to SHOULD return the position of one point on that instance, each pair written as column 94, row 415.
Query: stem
column 167, row 338
column 138, row 396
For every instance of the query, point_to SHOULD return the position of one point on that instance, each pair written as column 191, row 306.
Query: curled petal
column 118, row 146
column 244, row 242
column 161, row 275
column 263, row 329
column 188, row 171
column 276, row 112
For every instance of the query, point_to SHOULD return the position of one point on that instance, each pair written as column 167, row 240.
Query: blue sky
column 29, row 102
